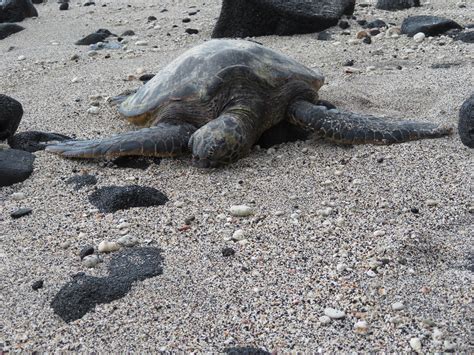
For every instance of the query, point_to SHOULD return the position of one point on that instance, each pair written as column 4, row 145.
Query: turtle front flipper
column 353, row 128
column 162, row 140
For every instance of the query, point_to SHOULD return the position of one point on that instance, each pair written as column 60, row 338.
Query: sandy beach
column 381, row 233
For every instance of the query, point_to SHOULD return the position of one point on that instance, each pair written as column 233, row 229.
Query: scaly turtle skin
column 217, row 99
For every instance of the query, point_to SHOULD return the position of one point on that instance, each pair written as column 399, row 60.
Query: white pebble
column 334, row 313
column 90, row 261
column 448, row 346
column 415, row 344
column 75, row 79
column 18, row 196
column 325, row 320
column 93, row 110
column 21, row 57
column 398, row 306
column 437, row 334
column 127, row 241
column 361, row 327
column 66, row 244
column 92, row 53
column 341, row 267
column 238, row 235
column 419, row 37
column 179, row 204
column 106, row 247
column 371, row 273
column 431, row 202
column 379, row 233
column 141, row 43
column 123, row 225
column 241, row 211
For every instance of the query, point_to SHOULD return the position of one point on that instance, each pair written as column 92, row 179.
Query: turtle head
column 218, row 143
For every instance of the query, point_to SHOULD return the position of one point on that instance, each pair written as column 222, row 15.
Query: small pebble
column 431, row 202
column 241, row 211
column 415, row 344
column 371, row 273
column 228, row 252
column 379, row 233
column 20, row 212
column 334, row 313
column 238, row 235
column 141, row 43
column 398, row 306
column 127, row 241
column 324, row 320
column 86, row 251
column 123, row 225
column 21, row 57
column 361, row 327
column 66, row 244
column 448, row 346
column 37, row 285
column 18, row 196
column 419, row 37
column 106, row 247
column 91, row 261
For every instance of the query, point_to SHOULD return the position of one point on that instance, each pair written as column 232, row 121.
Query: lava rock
column 87, row 250
column 114, row 198
column 146, row 77
column 33, row 141
column 11, row 112
column 99, row 36
column 37, row 285
column 15, row 166
column 191, row 31
column 429, row 25
column 82, row 180
column 465, row 36
column 16, row 10
column 84, row 292
column 375, row 24
column 64, row 6
column 343, row 24
column 135, row 162
column 20, row 212
column 247, row 18
column 247, row 350
column 228, row 252
column 7, row 29
column 393, row 5
column 466, row 122
column 128, row 33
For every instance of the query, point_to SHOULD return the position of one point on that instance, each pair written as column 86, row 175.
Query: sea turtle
column 217, row 99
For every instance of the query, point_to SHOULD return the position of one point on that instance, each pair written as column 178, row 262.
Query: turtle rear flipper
column 353, row 128
column 162, row 140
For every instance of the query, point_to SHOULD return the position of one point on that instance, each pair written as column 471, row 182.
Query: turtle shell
column 192, row 76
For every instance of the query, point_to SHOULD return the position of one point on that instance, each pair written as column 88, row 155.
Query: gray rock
column 15, row 166
column 16, row 10
column 11, row 113
column 429, row 25
column 466, row 122
column 7, row 29
column 393, row 5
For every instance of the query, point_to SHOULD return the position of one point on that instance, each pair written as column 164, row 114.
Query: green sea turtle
column 217, row 99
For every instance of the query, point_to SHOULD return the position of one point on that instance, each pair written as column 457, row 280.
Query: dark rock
column 192, row 13
column 367, row 40
column 191, row 31
column 429, row 25
column 113, row 198
column 146, row 77
column 11, row 112
column 16, row 10
column 445, row 65
column 89, row 3
column 247, row 18
column 99, row 36
column 15, row 166
column 375, row 24
column 151, row 18
column 349, row 63
column 283, row 132
column 362, row 22
column 186, row 20
column 465, row 36
column 7, row 29
column 37, row 2
column 466, row 122
column 247, row 350
column 374, row 32
column 343, row 24
column 128, row 33
column 135, row 162
column 393, row 5
column 84, row 292
column 37, row 285
column 414, row 210
column 324, row 36
column 228, row 252
column 82, row 180
column 32, row 141
column 20, row 212
column 64, row 6
column 87, row 250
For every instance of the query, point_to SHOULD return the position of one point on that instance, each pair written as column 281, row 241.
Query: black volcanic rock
column 11, row 113
column 244, row 18
column 16, row 10
column 429, row 25
column 466, row 122
column 32, row 141
column 15, row 166
column 7, row 29
column 393, row 5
